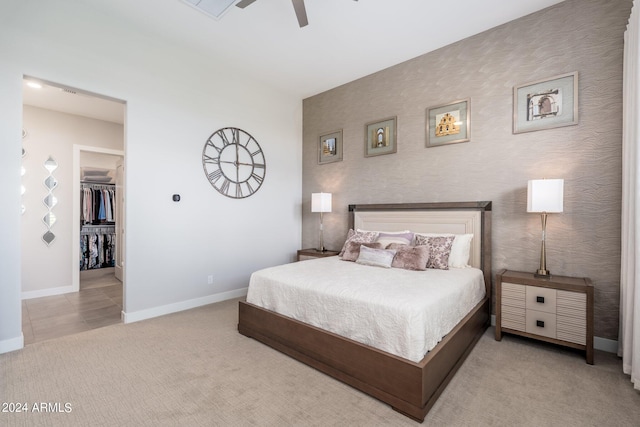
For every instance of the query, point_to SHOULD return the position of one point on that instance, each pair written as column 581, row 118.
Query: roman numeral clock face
column 234, row 163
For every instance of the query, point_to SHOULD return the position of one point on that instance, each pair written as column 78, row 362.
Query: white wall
column 10, row 155
column 51, row 133
column 175, row 100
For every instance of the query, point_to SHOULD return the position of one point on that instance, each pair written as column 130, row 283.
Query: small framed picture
column 330, row 147
column 449, row 124
column 546, row 104
column 380, row 137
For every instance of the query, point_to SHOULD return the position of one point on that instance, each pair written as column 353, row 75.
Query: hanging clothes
column 97, row 248
column 97, row 208
column 98, row 203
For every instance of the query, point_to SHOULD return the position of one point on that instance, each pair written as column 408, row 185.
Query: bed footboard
column 409, row 387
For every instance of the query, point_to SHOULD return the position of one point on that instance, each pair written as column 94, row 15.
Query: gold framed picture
column 449, row 123
column 330, row 147
column 380, row 137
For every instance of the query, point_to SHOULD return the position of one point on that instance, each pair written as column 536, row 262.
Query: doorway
column 97, row 202
column 63, row 127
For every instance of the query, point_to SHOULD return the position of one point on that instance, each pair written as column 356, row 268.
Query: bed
column 409, row 386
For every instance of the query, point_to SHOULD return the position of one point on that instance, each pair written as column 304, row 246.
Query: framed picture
column 546, row 104
column 380, row 137
column 330, row 147
column 449, row 124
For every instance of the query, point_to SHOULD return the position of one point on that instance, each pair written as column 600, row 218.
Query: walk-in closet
column 98, row 214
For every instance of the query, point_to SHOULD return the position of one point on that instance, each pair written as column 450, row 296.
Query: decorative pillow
column 376, row 257
column 410, row 257
column 359, row 237
column 460, row 250
column 352, row 251
column 439, row 250
column 402, row 238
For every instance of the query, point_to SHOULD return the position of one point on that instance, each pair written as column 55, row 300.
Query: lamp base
column 542, row 274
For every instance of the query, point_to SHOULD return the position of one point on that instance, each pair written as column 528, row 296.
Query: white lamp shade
column 321, row 202
column 545, row 195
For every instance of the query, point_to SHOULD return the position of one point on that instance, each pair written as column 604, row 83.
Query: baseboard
column 12, row 344
column 47, row 292
column 150, row 313
column 602, row 344
column 605, row 344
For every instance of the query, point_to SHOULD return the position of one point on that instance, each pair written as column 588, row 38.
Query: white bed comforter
column 402, row 312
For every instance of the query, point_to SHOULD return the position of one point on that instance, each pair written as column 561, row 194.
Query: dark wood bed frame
column 409, row 387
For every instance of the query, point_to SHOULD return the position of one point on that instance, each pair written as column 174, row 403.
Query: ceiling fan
column 298, row 6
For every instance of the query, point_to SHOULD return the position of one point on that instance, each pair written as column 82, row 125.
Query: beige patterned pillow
column 460, row 249
column 359, row 237
column 439, row 250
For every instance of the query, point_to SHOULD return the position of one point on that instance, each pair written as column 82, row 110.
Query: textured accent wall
column 576, row 35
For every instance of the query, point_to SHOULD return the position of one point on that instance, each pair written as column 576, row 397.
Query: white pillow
column 460, row 249
column 359, row 236
column 376, row 257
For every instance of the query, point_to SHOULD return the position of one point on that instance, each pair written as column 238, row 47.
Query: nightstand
column 304, row 254
column 558, row 310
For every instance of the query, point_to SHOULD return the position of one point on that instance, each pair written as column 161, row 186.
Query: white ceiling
column 72, row 101
column 345, row 39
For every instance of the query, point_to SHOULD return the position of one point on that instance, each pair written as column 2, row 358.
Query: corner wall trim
column 605, row 344
column 12, row 344
column 181, row 306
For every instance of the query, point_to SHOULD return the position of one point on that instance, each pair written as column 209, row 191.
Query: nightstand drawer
column 541, row 299
column 514, row 295
column 541, row 323
column 572, row 304
column 571, row 329
column 513, row 306
column 513, row 318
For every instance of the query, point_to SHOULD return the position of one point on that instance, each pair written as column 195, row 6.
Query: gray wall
column 576, row 35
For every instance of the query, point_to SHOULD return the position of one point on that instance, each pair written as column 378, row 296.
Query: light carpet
column 194, row 368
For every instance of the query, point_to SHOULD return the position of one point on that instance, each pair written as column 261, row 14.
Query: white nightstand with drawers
column 557, row 310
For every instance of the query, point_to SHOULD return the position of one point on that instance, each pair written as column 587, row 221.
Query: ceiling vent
column 213, row 8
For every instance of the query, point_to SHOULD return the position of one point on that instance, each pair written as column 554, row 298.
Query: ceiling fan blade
column 301, row 12
column 244, row 3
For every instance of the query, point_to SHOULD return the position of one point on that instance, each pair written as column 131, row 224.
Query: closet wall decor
column 23, row 171
column 50, row 200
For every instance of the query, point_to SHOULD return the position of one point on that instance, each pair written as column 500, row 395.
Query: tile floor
column 98, row 304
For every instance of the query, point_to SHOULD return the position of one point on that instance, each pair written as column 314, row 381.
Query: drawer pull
column 540, row 299
column 540, row 323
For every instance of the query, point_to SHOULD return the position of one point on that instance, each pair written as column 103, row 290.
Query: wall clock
column 234, row 163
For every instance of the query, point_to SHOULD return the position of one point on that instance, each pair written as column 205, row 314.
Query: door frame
column 75, row 231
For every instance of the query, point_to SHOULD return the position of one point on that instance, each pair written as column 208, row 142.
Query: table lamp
column 544, row 196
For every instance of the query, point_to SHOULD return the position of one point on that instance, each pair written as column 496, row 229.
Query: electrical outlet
column 210, row 279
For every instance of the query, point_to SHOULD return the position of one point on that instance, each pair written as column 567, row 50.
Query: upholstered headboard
column 447, row 217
